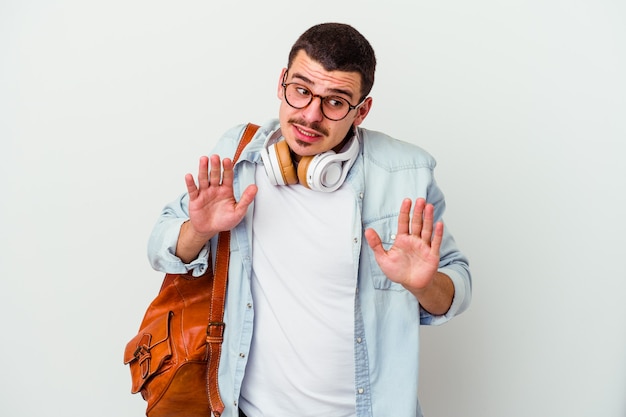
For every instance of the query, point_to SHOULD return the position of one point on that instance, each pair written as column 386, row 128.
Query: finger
column 227, row 174
column 427, row 224
column 404, row 216
column 418, row 217
column 192, row 190
column 373, row 239
column 437, row 239
column 203, row 175
column 246, row 198
column 215, row 172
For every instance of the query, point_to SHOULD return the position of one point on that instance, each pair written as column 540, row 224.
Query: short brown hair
column 339, row 47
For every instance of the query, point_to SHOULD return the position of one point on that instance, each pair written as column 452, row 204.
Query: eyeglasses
column 333, row 107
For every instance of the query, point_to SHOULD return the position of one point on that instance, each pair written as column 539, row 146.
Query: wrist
column 421, row 292
column 436, row 297
column 191, row 236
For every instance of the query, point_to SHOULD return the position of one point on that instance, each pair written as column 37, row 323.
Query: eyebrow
column 332, row 90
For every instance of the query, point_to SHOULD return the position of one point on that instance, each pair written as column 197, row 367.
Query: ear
column 279, row 90
column 362, row 111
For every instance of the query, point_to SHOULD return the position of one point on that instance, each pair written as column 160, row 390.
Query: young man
column 331, row 273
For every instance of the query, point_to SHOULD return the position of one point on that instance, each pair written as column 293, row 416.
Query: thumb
column 373, row 239
column 246, row 198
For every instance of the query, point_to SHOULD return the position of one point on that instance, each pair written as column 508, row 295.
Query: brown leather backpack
column 174, row 358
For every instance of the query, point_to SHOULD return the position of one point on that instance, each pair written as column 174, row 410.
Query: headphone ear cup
column 285, row 165
column 303, row 167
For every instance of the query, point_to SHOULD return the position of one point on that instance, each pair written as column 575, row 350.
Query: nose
column 313, row 112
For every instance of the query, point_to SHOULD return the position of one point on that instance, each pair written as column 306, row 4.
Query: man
column 328, row 279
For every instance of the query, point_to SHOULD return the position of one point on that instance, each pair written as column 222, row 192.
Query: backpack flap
column 147, row 352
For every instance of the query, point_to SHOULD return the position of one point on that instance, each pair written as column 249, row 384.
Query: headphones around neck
column 322, row 172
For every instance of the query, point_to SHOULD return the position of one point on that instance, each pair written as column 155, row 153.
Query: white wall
column 104, row 106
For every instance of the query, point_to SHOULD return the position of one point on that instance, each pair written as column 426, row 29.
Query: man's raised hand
column 212, row 204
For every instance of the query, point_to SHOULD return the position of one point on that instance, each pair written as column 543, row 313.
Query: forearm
column 437, row 297
column 189, row 243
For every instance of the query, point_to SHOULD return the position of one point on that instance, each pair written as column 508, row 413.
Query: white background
column 104, row 106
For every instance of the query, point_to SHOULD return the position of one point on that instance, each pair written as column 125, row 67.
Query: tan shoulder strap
column 215, row 328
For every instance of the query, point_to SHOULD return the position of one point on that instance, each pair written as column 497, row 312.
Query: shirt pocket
column 386, row 229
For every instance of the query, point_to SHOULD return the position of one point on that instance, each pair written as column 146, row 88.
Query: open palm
column 414, row 257
column 212, row 204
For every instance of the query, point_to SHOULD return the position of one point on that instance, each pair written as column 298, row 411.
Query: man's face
column 307, row 131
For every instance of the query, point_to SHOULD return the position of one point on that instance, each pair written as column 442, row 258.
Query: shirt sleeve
column 453, row 263
column 462, row 295
column 164, row 237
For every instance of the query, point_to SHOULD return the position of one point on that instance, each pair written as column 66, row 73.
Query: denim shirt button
column 361, row 390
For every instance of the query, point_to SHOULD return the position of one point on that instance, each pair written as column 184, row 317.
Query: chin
column 302, row 148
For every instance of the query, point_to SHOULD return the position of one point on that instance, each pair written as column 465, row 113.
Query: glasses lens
column 333, row 107
column 298, row 96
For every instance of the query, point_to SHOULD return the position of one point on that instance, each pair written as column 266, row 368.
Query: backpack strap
column 215, row 328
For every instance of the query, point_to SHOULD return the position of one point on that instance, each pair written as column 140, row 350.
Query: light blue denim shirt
column 386, row 316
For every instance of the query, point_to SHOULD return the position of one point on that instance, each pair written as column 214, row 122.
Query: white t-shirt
column 301, row 360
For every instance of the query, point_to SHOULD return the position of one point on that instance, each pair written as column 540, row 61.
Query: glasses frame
column 322, row 98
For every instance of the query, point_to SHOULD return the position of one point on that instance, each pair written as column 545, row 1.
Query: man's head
column 333, row 66
column 338, row 47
